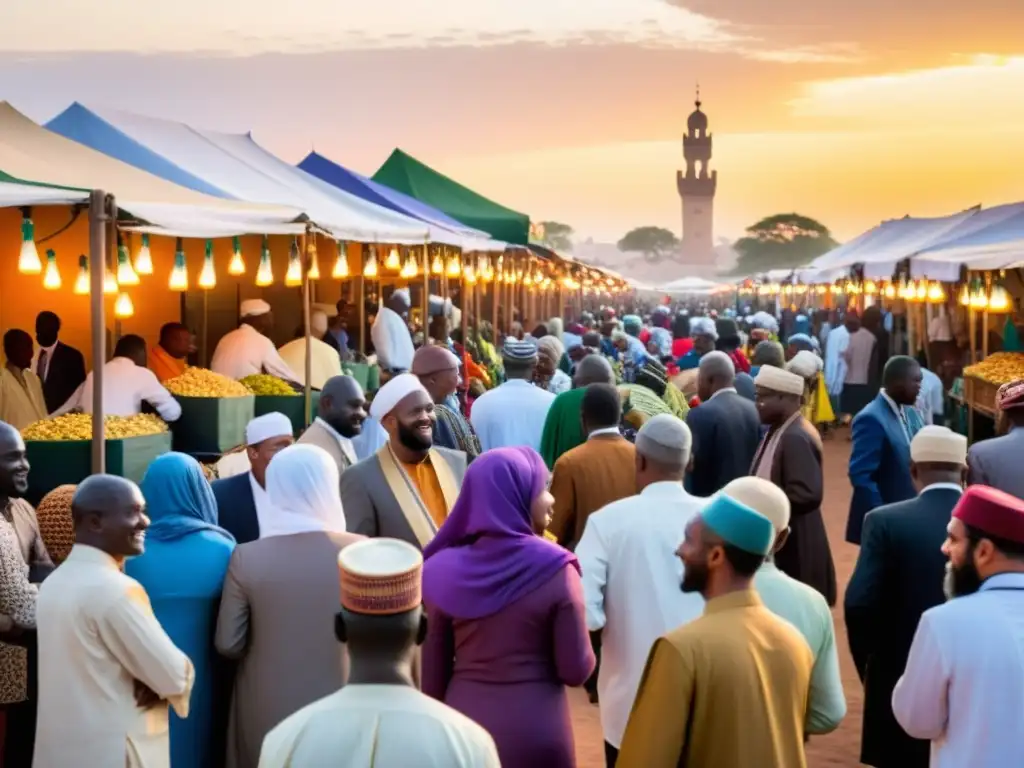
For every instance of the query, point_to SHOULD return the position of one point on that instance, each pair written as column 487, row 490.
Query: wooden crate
column 980, row 395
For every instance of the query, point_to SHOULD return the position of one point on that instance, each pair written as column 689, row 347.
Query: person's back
column 512, row 414
column 996, row 462
column 727, row 431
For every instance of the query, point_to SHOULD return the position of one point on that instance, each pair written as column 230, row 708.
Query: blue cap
column 739, row 525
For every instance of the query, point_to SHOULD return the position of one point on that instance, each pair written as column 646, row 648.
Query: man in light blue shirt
column 800, row 605
column 931, row 399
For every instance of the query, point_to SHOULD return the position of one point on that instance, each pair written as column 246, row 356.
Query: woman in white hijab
column 279, row 595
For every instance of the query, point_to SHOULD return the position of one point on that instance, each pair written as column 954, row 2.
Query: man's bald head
column 109, row 514
column 343, row 405
column 13, row 463
column 716, row 372
column 593, row 369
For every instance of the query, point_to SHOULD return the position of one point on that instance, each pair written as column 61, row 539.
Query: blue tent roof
column 80, row 124
column 368, row 189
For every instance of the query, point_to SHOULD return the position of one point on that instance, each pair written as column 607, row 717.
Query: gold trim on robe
column 408, row 496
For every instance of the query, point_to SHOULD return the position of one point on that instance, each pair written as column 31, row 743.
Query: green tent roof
column 408, row 175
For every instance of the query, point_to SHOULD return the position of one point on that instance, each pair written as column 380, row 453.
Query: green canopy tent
column 408, row 175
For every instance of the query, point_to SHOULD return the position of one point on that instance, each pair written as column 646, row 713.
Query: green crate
column 68, row 462
column 368, row 376
column 212, row 425
column 290, row 406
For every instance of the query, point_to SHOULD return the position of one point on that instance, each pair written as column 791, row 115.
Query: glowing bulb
column 454, row 269
column 964, row 299
column 208, row 275
column 889, row 291
column 28, row 260
column 125, row 272
column 921, row 292
column 393, row 261
column 936, row 293
column 370, row 268
column 314, row 261
column 51, row 278
column 265, row 272
column 870, row 288
column 237, row 264
column 293, row 277
column 999, row 301
column 410, row 269
column 82, row 281
column 340, row 270
column 109, row 283
column 979, row 299
column 469, row 274
column 123, row 306
column 144, row 259
column 437, row 265
column 179, row 274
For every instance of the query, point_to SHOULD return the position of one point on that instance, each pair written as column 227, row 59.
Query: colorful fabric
column 486, row 555
column 163, row 365
column 1010, row 395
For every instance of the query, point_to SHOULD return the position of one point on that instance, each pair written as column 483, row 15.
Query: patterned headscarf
column 1010, row 395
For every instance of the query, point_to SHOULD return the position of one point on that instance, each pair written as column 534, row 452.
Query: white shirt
column 511, row 415
column 930, row 400
column 835, row 363
column 378, row 726
column 343, row 442
column 603, row 431
column 324, row 363
column 261, row 500
column 392, row 341
column 126, row 387
column 722, row 390
column 963, row 687
column 245, row 351
column 631, row 584
column 938, row 328
column 370, row 440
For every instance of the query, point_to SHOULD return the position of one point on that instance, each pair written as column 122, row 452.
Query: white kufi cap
column 805, row 364
column 665, row 439
column 253, row 308
column 267, row 426
column 778, row 380
column 938, row 445
column 762, row 496
column 392, row 393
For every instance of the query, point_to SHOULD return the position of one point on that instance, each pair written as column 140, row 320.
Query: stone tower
column 697, row 190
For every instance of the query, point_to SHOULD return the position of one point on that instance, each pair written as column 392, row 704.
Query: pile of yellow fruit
column 78, row 426
column 265, row 384
column 998, row 368
column 202, row 382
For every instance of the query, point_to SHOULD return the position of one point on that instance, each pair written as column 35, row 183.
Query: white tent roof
column 235, row 164
column 14, row 195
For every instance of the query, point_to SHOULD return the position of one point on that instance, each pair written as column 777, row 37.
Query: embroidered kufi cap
column 993, row 512
column 519, row 351
column 778, row 380
column 380, row 577
column 739, row 525
column 1010, row 395
column 934, row 444
column 762, row 496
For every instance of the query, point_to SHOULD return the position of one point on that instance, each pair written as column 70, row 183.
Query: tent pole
column 99, row 215
column 426, row 291
column 362, row 300
column 307, row 388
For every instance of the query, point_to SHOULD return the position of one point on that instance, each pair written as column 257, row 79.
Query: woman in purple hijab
column 506, row 629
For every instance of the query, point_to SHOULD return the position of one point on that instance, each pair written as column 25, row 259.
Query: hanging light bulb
column 454, row 268
column 144, row 259
column 870, row 288
column 237, row 264
column 979, row 299
column 340, row 270
column 936, row 293
column 469, row 274
column 109, row 283
column 999, row 300
column 409, row 269
column 265, row 271
column 51, row 278
column 123, row 306
column 293, row 277
column 208, row 275
column 370, row 268
column 921, row 292
column 28, row 260
column 964, row 299
column 393, row 261
column 437, row 265
column 889, row 291
column 125, row 272
column 82, row 281
column 179, row 274
column 314, row 261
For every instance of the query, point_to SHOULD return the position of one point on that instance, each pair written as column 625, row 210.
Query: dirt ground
column 839, row 749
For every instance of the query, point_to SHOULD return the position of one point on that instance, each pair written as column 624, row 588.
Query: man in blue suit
column 880, row 459
column 242, row 500
column 899, row 575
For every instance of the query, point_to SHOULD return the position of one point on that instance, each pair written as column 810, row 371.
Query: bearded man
column 405, row 490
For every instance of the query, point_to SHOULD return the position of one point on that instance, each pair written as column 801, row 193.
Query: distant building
column 697, row 191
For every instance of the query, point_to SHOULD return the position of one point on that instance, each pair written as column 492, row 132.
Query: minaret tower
column 697, row 190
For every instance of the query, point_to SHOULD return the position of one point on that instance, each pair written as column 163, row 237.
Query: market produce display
column 78, row 426
column 265, row 384
column 202, row 382
column 998, row 368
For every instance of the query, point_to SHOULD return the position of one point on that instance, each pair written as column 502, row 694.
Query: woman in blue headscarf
column 183, row 571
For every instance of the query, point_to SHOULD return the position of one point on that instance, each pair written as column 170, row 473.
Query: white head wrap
column 762, row 496
column 765, row 321
column 403, row 294
column 392, row 393
column 267, row 426
column 253, row 308
column 934, row 444
column 703, row 326
column 805, row 364
column 551, row 346
column 778, row 380
column 303, row 486
column 665, row 439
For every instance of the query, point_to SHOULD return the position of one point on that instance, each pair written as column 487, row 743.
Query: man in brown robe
column 790, row 457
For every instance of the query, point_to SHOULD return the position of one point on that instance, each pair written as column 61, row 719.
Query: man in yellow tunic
column 731, row 689
column 21, row 391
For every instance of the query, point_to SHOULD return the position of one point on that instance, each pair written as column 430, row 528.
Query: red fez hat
column 993, row 512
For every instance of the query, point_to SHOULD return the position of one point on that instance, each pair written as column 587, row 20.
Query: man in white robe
column 379, row 719
column 390, row 334
column 107, row 670
column 631, row 574
column 513, row 414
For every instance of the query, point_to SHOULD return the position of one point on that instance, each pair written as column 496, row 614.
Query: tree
column 556, row 236
column 655, row 243
column 782, row 241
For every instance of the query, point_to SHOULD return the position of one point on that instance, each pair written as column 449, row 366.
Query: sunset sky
column 573, row 109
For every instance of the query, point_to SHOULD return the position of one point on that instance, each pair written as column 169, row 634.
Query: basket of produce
column 214, row 412
column 983, row 380
column 60, row 449
column 274, row 394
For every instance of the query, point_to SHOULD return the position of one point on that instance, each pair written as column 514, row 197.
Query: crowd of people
column 485, row 534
